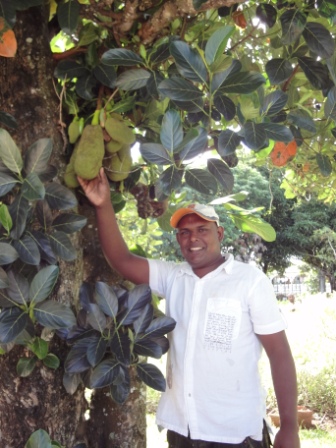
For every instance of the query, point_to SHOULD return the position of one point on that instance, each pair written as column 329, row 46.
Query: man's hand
column 97, row 190
column 287, row 438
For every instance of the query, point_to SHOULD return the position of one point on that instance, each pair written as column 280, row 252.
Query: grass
column 312, row 336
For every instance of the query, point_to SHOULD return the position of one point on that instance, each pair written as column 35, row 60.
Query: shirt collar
column 227, row 266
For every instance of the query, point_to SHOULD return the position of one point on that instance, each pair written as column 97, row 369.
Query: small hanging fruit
column 8, row 44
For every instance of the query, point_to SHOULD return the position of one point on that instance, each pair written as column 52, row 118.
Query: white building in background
column 291, row 283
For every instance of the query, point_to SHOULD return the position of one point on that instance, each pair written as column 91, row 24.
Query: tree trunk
column 40, row 400
column 27, row 92
column 110, row 425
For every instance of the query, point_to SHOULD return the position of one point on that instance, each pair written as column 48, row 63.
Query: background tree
column 205, row 79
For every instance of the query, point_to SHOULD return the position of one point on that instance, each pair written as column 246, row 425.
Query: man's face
column 199, row 241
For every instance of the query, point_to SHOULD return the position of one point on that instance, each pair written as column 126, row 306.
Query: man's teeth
column 193, row 249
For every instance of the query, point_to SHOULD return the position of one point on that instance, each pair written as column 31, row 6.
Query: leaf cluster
column 33, row 236
column 115, row 329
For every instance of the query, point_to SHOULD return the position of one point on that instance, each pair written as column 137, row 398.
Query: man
column 225, row 313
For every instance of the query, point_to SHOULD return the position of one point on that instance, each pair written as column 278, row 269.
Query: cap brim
column 178, row 215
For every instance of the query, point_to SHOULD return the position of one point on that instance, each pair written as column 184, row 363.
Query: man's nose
column 193, row 236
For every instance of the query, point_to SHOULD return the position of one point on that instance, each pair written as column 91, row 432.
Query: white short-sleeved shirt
column 213, row 385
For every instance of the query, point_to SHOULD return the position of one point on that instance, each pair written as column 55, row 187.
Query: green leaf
column 188, row 61
column 316, row 72
column 106, row 75
column 7, row 183
column 28, row 250
column 189, row 137
column 133, row 79
column 179, row 89
column 37, row 156
column 8, row 12
column 170, row 180
column 143, row 321
column 171, row 134
column 88, row 33
column 220, row 77
column 120, row 390
column 7, row 254
column 59, row 197
column 25, row 366
column 278, row 132
column 121, row 56
column 324, row 164
column 62, row 247
column 106, row 299
column 302, row 119
column 155, row 153
column 254, row 135
column 8, row 120
column 43, row 283
column 217, row 43
column 39, row 439
column 104, row 374
column 76, row 361
column 330, row 104
column 39, row 347
column 32, row 188
column 222, row 173
column 85, row 85
column 278, row 70
column 201, row 180
column 138, row 298
column 228, row 141
column 293, row 22
column 9, row 153
column 243, row 82
column 319, row 39
column 54, row 315
column 19, row 211
column 51, row 361
column 195, row 146
column 18, row 288
column 225, row 106
column 159, row 327
column 4, row 281
column 151, row 376
column 253, row 224
column 274, row 102
column 69, row 222
column 68, row 16
column 267, row 14
column 96, row 350
column 12, row 322
column 69, row 69
column 5, row 218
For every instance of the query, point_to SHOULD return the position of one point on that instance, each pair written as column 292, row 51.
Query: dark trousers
column 176, row 440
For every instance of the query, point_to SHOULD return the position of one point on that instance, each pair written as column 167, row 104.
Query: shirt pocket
column 222, row 323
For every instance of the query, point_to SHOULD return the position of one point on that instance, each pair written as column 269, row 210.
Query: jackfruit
column 113, row 146
column 74, row 130
column 119, row 131
column 119, row 164
column 70, row 178
column 89, row 152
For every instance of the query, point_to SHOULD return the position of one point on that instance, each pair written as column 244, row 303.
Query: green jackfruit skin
column 89, row 152
column 113, row 146
column 70, row 178
column 120, row 164
column 119, row 131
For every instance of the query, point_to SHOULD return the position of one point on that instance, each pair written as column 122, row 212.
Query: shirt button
column 189, row 395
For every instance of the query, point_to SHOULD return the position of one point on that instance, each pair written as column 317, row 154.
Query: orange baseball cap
column 206, row 212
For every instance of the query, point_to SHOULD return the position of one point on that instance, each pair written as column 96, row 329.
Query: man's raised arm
column 130, row 266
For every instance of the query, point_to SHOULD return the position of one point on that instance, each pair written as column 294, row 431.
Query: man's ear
column 220, row 232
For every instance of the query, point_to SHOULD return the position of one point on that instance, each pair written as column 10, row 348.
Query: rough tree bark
column 40, row 401
column 27, row 92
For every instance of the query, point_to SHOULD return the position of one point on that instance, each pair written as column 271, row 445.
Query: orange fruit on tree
column 8, row 44
column 282, row 153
